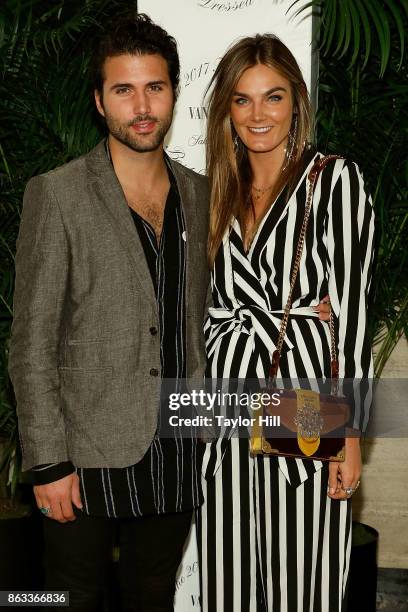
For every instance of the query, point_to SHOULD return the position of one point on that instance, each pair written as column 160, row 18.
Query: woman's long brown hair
column 227, row 166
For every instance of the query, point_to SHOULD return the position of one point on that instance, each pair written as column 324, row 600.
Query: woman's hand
column 344, row 474
column 323, row 309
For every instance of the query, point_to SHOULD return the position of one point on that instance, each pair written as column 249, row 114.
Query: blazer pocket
column 116, row 335
column 96, row 370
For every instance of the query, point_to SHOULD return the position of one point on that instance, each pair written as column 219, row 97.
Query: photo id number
column 20, row 599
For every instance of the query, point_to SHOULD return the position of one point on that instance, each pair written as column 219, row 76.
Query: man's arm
column 42, row 276
column 42, row 263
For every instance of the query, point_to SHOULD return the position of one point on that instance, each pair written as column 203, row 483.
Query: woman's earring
column 292, row 137
column 236, row 143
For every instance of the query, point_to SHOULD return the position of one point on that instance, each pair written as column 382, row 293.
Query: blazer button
column 153, row 330
column 154, row 372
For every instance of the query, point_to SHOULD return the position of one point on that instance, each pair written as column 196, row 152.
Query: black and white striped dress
column 269, row 536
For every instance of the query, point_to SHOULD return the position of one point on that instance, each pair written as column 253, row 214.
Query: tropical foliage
column 363, row 114
column 354, row 29
column 46, row 113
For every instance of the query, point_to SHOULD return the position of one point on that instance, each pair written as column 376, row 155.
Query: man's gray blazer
column 83, row 361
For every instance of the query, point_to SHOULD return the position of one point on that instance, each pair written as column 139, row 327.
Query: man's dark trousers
column 79, row 555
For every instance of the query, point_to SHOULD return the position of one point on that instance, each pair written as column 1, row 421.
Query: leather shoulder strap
column 312, row 177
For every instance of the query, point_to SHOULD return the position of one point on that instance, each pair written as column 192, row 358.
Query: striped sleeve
column 350, row 233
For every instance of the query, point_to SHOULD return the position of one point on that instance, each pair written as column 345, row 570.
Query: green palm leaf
column 356, row 25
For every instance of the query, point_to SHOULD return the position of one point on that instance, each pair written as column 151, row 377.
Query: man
column 111, row 282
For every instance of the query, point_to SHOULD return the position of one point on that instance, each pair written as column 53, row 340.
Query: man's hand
column 59, row 497
column 323, row 309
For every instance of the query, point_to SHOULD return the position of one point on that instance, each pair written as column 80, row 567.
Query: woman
column 274, row 533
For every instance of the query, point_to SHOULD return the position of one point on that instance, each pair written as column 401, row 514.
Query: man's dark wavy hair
column 134, row 34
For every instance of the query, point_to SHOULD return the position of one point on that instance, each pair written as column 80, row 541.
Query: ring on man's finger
column 46, row 510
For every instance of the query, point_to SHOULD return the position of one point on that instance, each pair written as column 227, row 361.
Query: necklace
column 260, row 191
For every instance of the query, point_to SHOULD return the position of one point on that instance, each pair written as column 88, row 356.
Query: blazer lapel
column 107, row 190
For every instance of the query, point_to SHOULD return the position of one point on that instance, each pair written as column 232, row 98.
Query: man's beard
column 141, row 143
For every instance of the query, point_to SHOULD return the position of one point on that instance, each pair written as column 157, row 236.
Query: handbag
column 304, row 415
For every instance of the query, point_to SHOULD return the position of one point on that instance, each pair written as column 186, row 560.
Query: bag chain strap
column 312, row 177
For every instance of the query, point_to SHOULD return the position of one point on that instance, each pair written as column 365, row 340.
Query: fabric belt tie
column 251, row 320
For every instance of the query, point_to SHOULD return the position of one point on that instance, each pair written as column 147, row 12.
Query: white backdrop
column 203, row 30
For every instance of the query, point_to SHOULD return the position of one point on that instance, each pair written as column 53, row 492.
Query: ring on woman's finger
column 46, row 510
column 350, row 490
